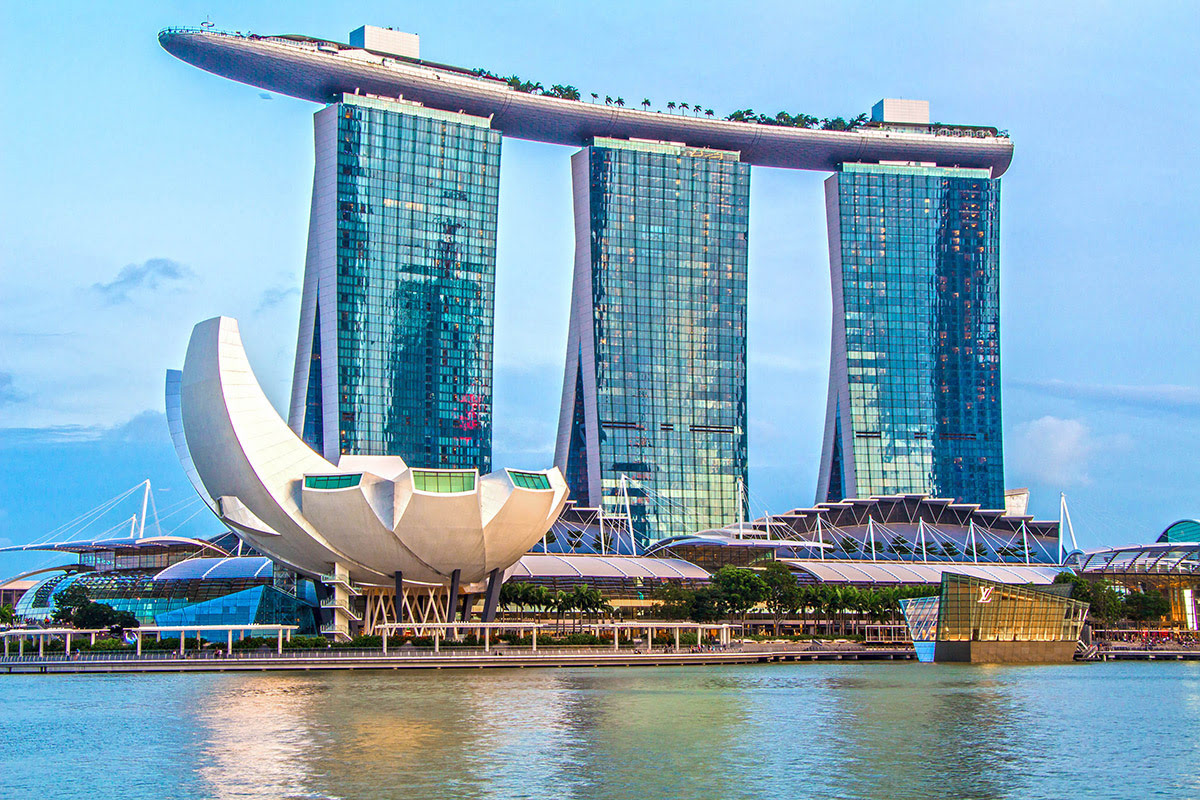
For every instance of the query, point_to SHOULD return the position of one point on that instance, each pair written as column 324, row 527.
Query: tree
column 646, row 103
column 783, row 593
column 673, row 600
column 671, row 106
column 7, row 615
column 102, row 615
column 621, row 102
column 607, row 100
column 740, row 589
column 1142, row 607
column 708, row 112
column 595, row 97
column 66, row 601
column 708, row 605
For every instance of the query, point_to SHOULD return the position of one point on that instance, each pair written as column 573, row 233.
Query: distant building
column 171, row 580
column 12, row 590
column 654, row 394
column 1170, row 566
column 395, row 348
column 914, row 379
column 882, row 541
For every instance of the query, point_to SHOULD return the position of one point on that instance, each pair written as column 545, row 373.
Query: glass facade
column 915, row 380
column 976, row 610
column 660, row 307
column 413, row 227
column 529, row 480
column 443, row 481
column 332, row 481
column 153, row 601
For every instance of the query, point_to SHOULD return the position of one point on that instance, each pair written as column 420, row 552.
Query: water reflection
column 259, row 733
column 814, row 730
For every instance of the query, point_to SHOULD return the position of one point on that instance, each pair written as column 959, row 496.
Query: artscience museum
column 415, row 541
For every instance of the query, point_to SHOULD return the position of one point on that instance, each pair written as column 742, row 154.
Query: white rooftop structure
column 386, row 40
column 892, row 109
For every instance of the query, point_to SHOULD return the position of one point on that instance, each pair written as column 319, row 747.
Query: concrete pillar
column 437, row 640
column 452, row 600
column 616, row 638
column 677, row 638
column 66, row 644
column 6, row 647
column 229, row 642
column 487, row 640
column 535, row 640
column 493, row 595
column 21, row 645
column 41, row 646
column 93, row 638
column 139, row 645
column 383, row 635
column 182, row 642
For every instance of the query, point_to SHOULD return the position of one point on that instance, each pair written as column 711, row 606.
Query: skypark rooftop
column 320, row 71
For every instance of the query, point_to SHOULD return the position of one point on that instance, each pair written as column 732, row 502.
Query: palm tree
column 595, row 97
column 607, row 100
column 696, row 108
column 671, row 106
column 646, row 103
column 684, row 106
column 621, row 102
column 708, row 112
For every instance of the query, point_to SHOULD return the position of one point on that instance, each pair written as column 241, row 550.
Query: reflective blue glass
column 666, row 300
column 415, row 232
column 915, row 395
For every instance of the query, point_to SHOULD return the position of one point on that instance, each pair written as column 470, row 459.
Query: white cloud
column 1054, row 451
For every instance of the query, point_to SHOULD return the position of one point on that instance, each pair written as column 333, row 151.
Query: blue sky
column 141, row 195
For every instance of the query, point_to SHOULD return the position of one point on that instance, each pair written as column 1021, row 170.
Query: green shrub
column 254, row 642
column 306, row 643
column 107, row 645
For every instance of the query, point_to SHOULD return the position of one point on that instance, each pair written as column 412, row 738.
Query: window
column 443, row 481
column 529, row 480
column 331, row 481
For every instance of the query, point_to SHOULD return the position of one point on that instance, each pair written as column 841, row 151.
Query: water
column 781, row 731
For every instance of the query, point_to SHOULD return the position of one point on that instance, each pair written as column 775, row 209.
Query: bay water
column 845, row 730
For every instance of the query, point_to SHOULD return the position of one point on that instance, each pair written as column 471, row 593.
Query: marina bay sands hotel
column 394, row 354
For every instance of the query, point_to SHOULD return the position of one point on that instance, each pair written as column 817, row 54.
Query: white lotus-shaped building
column 365, row 518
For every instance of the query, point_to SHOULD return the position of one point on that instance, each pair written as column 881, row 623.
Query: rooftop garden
column 782, row 118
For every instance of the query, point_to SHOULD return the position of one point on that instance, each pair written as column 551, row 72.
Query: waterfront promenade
column 457, row 658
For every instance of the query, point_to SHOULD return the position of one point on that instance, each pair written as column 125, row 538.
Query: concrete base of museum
column 1005, row 652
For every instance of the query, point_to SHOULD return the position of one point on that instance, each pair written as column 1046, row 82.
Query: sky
column 141, row 195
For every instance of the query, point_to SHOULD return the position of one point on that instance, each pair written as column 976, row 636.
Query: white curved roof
column 540, row 565
column 891, row 572
column 258, row 470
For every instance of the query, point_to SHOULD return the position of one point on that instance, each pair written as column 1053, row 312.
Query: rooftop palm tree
column 607, row 100
column 595, row 97
column 708, row 112
column 671, row 106
column 621, row 102
column 646, row 103
column 684, row 106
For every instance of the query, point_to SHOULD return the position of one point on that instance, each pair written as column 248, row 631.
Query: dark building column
column 451, row 601
column 493, row 595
